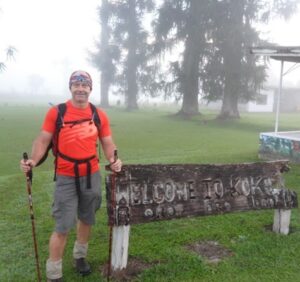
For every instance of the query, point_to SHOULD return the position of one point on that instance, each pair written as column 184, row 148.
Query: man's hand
column 27, row 165
column 115, row 165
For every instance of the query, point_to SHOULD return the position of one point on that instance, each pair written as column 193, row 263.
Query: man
column 77, row 193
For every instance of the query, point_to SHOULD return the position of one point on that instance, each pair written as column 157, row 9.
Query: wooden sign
column 145, row 193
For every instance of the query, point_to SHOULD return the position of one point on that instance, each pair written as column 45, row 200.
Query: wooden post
column 120, row 247
column 281, row 221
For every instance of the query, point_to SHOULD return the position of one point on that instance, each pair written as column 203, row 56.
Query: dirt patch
column 134, row 268
column 210, row 250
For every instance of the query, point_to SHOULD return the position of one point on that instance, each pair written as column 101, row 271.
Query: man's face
column 80, row 92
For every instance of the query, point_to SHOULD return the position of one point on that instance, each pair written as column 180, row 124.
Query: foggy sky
column 52, row 39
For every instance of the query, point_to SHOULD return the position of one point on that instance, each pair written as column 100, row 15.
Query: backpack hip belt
column 77, row 162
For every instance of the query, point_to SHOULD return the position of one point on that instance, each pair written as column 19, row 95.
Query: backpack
column 61, row 109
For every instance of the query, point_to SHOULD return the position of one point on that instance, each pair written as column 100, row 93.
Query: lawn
column 151, row 136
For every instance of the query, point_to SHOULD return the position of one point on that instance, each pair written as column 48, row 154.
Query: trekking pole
column 113, row 203
column 29, row 183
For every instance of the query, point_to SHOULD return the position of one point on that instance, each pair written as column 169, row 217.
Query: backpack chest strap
column 75, row 122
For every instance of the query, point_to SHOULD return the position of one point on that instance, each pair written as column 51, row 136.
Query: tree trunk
column 131, row 77
column 190, row 67
column 104, row 78
column 229, row 108
column 190, row 80
column 132, row 88
column 232, row 62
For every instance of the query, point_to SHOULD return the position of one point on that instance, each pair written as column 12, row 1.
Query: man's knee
column 60, row 235
column 58, row 239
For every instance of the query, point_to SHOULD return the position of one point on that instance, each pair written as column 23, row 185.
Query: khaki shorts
column 68, row 206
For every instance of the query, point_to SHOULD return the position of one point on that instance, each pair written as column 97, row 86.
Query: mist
column 53, row 39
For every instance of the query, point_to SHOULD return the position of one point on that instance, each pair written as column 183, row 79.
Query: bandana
column 81, row 76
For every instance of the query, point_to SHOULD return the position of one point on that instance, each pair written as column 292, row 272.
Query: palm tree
column 10, row 54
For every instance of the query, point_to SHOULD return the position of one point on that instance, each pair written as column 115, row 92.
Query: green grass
column 146, row 137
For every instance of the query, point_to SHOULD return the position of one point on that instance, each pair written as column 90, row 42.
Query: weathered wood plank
column 145, row 193
column 281, row 222
column 120, row 246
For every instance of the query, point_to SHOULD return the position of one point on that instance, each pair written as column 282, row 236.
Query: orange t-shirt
column 77, row 141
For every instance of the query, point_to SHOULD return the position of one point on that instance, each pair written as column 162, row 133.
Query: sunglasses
column 80, row 78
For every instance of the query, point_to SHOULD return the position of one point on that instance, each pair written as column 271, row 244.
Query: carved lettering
column 227, row 206
column 191, row 189
column 211, row 206
column 170, row 211
column 158, row 193
column 270, row 203
column 207, row 188
column 164, row 192
column 159, row 212
column 135, row 194
column 218, row 187
column 234, row 182
column 145, row 195
column 255, row 181
column 181, row 192
column 148, row 213
column 245, row 186
column 169, row 192
column 207, row 206
column 179, row 209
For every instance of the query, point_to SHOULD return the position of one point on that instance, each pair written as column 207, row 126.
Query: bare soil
column 211, row 251
column 134, row 267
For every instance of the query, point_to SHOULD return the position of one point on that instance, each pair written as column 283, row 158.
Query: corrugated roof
column 281, row 53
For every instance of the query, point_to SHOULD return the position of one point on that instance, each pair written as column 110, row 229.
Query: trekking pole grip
column 115, row 154
column 29, row 173
column 107, row 167
column 25, row 156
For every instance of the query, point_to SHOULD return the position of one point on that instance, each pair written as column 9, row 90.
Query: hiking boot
column 55, row 280
column 82, row 266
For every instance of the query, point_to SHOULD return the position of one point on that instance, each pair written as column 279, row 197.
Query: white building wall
column 255, row 106
column 251, row 106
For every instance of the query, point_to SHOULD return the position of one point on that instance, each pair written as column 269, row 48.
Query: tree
column 10, row 52
column 123, row 47
column 106, row 56
column 239, row 74
column 216, row 35
column 184, row 21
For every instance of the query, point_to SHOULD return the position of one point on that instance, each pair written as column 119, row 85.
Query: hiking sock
column 80, row 250
column 54, row 269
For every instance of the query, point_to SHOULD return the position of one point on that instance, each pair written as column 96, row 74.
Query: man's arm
column 109, row 147
column 39, row 147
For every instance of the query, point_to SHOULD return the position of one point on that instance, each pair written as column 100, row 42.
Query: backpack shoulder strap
column 97, row 121
column 61, row 110
column 95, row 116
